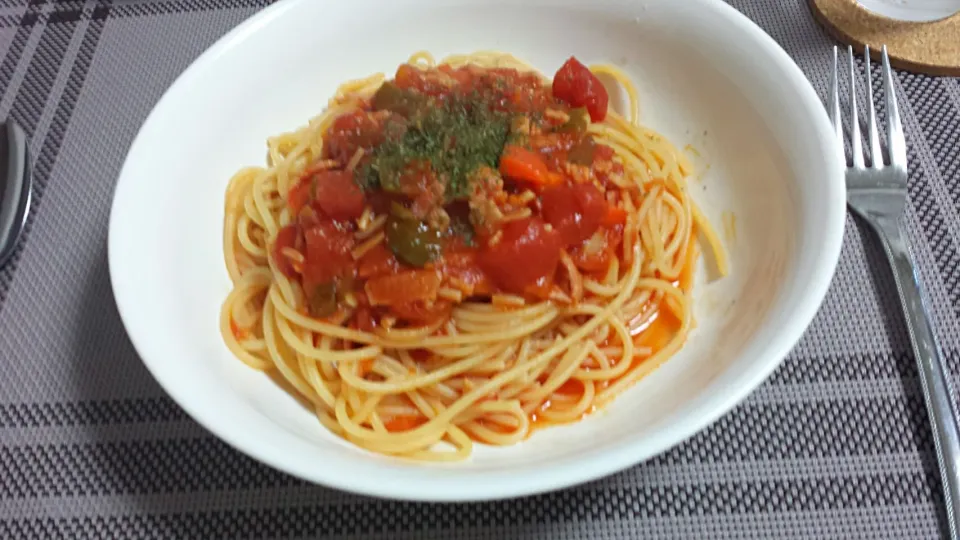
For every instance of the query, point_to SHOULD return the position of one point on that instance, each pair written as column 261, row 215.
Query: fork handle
column 934, row 376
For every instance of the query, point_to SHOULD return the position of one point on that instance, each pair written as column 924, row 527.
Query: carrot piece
column 614, row 216
column 404, row 288
column 521, row 164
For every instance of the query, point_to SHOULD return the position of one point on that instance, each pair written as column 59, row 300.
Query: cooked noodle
column 495, row 368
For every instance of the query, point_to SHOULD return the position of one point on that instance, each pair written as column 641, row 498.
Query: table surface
column 835, row 444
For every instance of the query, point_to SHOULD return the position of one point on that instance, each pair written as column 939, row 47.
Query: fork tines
column 896, row 145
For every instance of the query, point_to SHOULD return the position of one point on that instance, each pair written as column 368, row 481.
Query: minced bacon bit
column 580, row 174
column 520, row 126
column 438, row 218
column 559, row 116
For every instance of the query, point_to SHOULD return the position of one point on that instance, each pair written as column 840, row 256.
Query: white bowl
column 708, row 77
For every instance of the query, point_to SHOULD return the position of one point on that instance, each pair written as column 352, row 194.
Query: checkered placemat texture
column 835, row 445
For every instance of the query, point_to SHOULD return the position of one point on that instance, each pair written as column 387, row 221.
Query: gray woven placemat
column 835, row 444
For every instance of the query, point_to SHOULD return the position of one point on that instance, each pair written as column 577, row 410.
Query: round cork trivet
column 924, row 47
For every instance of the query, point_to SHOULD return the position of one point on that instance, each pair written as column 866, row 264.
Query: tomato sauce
column 483, row 176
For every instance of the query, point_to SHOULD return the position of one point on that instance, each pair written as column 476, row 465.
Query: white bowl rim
column 552, row 476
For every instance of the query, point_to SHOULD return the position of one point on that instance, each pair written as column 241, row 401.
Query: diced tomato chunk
column 577, row 86
column 575, row 211
column 541, row 289
column 462, row 265
column 351, row 132
column 338, row 195
column 364, row 319
column 327, row 254
column 300, row 195
column 378, row 261
column 527, row 252
column 426, row 82
column 597, row 252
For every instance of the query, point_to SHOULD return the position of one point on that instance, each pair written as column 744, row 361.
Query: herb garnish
column 456, row 137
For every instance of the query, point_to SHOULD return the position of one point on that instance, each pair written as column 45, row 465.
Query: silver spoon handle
column 934, row 375
column 15, row 187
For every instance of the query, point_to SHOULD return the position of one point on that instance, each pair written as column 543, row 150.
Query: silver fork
column 878, row 194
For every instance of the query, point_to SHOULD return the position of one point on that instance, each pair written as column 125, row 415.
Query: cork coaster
column 923, row 47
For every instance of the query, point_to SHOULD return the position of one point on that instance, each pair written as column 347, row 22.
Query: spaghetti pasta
column 420, row 351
